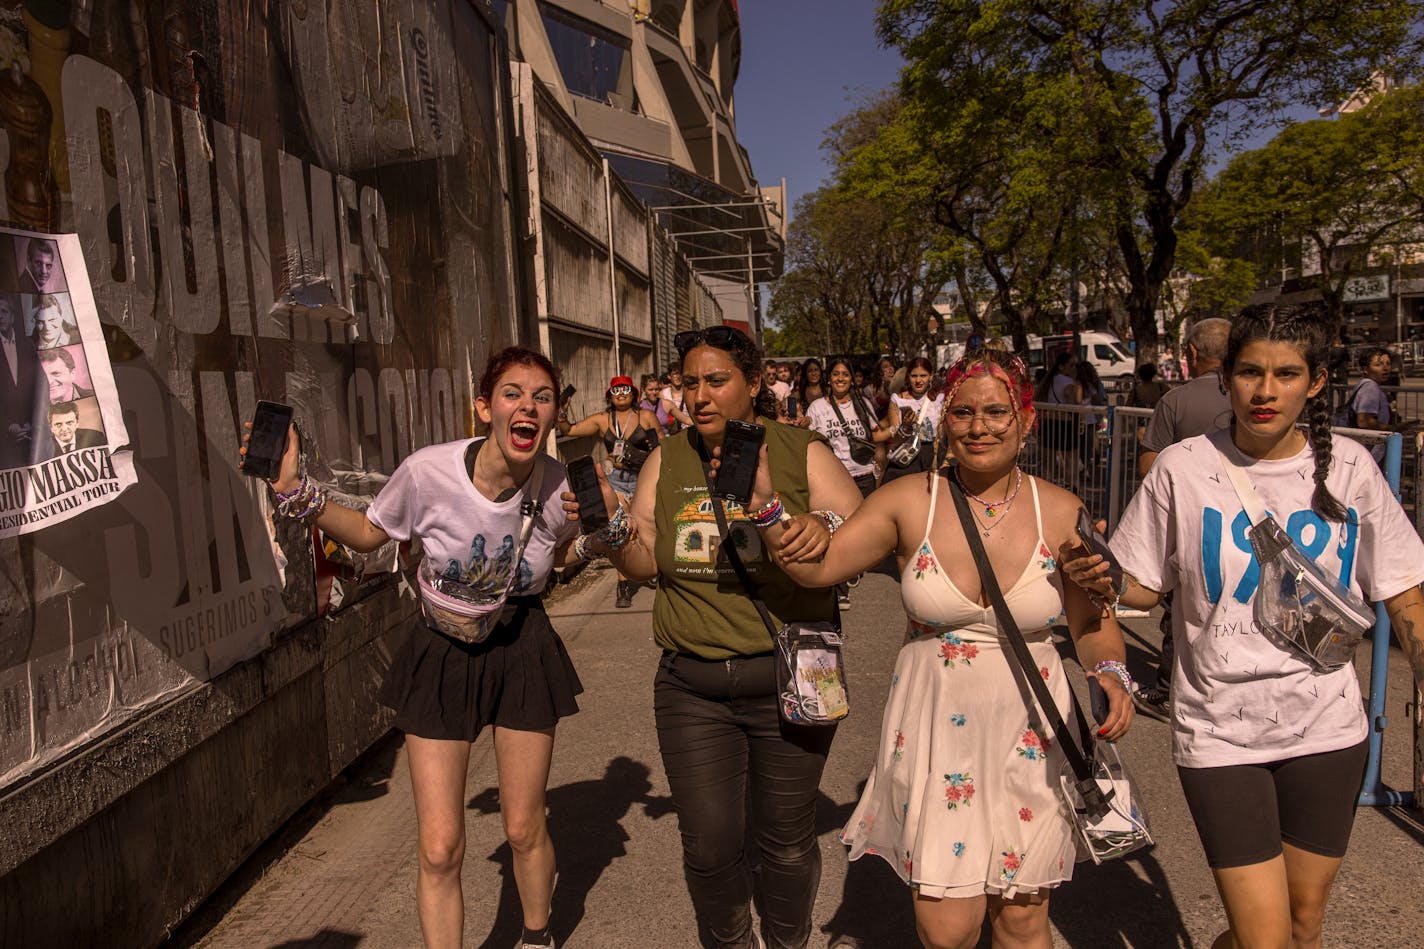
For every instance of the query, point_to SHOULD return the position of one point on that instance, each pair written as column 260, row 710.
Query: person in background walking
column 914, row 417
column 672, row 400
column 811, row 388
column 1198, row 407
column 1146, row 390
column 729, row 758
column 1367, row 406
column 652, row 401
column 1059, row 429
column 1269, row 749
column 629, row 435
column 460, row 498
column 846, row 417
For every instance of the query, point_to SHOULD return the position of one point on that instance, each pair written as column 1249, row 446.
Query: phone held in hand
column 1097, row 544
column 583, row 480
column 741, row 449
column 1098, row 699
column 567, row 394
column 269, row 440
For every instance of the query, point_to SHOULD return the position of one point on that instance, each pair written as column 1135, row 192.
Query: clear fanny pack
column 1302, row 609
column 1298, row 606
column 468, row 613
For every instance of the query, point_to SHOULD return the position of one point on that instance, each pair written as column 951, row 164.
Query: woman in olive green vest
column 726, row 752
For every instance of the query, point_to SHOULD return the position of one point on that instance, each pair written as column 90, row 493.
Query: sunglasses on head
column 723, row 337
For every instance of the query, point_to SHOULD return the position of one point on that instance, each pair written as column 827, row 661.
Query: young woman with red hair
column 964, row 799
column 471, row 502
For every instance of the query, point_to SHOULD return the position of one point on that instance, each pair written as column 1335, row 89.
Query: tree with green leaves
column 1153, row 89
column 1339, row 192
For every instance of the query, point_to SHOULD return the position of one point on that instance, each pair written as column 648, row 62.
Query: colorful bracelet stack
column 304, row 501
column 1118, row 669
column 582, row 548
column 769, row 515
column 618, row 531
column 831, row 519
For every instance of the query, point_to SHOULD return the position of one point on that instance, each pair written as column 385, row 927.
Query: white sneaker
column 844, row 602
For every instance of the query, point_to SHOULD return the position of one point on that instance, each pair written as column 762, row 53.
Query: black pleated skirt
column 520, row 678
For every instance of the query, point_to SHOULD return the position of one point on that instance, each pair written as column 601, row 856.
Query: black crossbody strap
column 1025, row 667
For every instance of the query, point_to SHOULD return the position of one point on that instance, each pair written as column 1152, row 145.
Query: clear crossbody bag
column 1298, row 606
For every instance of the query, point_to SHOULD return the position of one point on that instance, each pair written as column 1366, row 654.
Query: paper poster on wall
column 62, row 435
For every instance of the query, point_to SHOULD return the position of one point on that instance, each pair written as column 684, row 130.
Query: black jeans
column 728, row 756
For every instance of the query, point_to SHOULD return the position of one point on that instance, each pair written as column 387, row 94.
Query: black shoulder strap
column 725, row 532
column 1026, row 669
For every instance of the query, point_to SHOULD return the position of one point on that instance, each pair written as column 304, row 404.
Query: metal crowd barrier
column 1071, row 449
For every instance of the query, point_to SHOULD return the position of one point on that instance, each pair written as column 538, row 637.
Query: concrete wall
column 114, row 847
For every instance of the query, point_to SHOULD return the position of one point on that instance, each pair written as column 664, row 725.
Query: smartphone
column 1098, row 700
column 269, row 440
column 741, row 448
column 1097, row 544
column 583, row 480
column 567, row 394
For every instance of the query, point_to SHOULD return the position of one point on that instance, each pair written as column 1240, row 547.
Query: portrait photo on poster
column 40, row 267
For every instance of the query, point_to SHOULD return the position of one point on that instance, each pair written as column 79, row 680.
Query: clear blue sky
column 804, row 64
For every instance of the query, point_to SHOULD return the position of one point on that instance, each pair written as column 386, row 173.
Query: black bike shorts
column 1245, row 812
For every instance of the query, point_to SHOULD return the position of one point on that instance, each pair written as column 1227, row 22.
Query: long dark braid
column 1309, row 327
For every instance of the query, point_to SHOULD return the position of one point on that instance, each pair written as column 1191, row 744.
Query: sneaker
column 844, row 601
column 855, row 580
column 625, row 595
column 537, row 945
column 1154, row 702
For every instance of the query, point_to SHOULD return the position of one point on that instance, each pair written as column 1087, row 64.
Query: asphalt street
column 342, row 874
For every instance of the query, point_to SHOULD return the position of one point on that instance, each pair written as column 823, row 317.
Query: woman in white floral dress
column 964, row 800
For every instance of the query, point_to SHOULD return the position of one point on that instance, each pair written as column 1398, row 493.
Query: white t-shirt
column 780, row 390
column 465, row 535
column 927, row 412
column 1236, row 697
column 823, row 419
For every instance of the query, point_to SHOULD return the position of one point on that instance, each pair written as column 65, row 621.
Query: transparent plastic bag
column 906, row 451
column 1302, row 609
column 811, row 674
column 1123, row 827
column 458, row 610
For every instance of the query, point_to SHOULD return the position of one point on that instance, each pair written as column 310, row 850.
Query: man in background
column 1196, row 407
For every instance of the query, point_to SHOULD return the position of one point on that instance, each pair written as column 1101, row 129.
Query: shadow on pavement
column 325, row 939
column 875, row 911
column 584, row 825
column 1112, row 905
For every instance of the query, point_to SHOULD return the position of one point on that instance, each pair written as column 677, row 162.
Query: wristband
column 831, row 519
column 769, row 515
column 1118, row 669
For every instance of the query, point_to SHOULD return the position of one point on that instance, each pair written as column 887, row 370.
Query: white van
column 1104, row 351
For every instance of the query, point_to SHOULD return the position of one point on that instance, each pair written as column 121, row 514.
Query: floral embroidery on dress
column 1043, row 671
column 1032, row 747
column 899, row 745
column 909, row 864
column 959, row 848
column 955, row 650
column 958, row 789
column 1046, row 563
column 924, row 561
column 959, row 719
column 1013, row 860
column 1025, row 814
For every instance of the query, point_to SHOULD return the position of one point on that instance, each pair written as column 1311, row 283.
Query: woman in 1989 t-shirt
column 1270, row 752
column 463, row 500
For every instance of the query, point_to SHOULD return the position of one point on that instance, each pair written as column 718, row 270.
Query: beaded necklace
column 994, row 510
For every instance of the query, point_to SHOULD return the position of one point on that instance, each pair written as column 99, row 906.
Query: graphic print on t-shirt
column 697, row 538
column 485, row 574
column 1311, row 533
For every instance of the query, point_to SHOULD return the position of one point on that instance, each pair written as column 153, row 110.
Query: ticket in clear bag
column 812, row 674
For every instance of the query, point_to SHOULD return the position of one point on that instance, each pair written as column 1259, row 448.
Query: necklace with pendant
column 994, row 511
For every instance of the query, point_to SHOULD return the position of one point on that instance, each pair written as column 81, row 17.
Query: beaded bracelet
column 769, row 515
column 831, row 519
column 582, row 548
column 1118, row 669
column 618, row 531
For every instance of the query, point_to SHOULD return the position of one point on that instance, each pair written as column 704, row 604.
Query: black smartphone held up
column 567, row 394
column 269, row 440
column 583, row 480
column 741, row 447
column 1098, row 699
column 1097, row 544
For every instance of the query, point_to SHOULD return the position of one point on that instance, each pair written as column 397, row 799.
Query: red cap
column 621, row 381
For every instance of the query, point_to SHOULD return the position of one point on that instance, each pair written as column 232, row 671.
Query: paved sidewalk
column 343, row 874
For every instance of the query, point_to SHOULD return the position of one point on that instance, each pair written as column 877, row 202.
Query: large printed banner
column 61, row 429
column 295, row 201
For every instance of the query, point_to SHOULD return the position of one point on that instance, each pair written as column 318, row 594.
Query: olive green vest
column 701, row 607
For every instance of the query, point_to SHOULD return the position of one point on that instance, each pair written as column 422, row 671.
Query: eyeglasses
column 723, row 337
column 997, row 419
